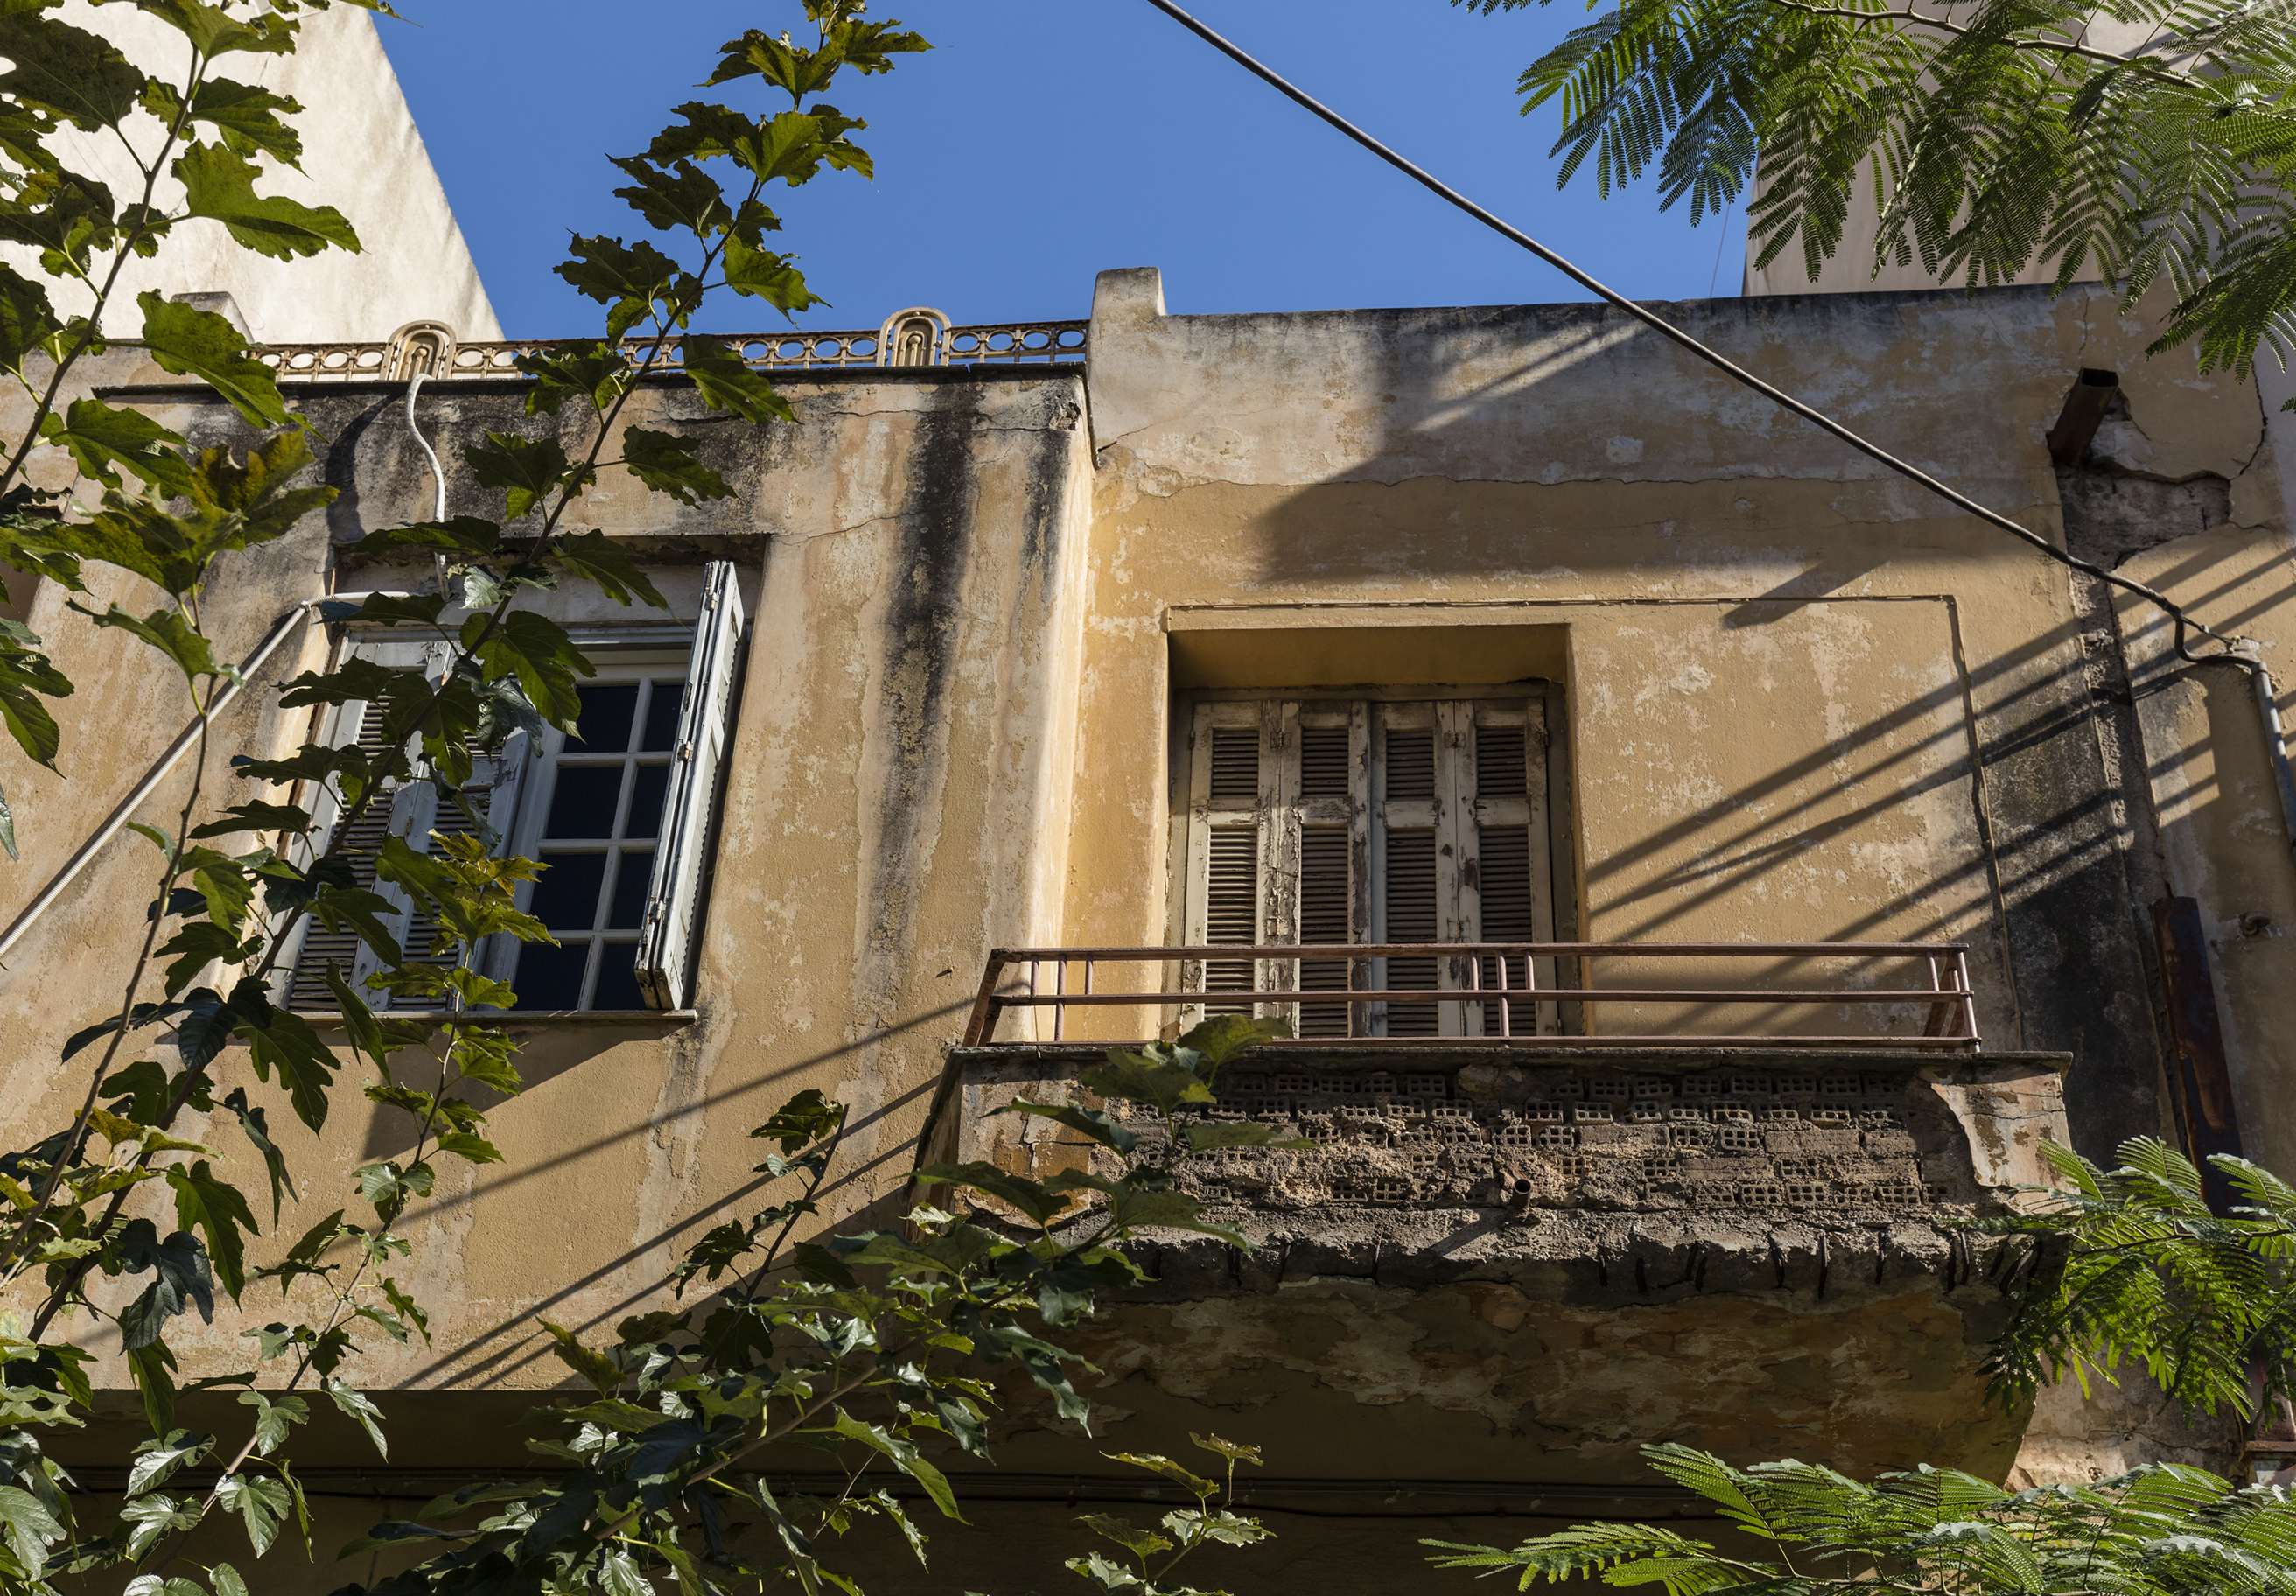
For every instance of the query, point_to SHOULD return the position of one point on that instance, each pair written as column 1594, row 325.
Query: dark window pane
column 618, row 976
column 645, row 801
column 582, row 804
column 632, row 876
column 606, row 715
column 566, row 894
column 550, row 978
column 661, row 717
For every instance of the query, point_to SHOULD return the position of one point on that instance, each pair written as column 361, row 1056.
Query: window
column 622, row 813
column 1399, row 819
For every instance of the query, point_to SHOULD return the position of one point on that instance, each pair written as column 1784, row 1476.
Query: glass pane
column 618, row 976
column 582, row 803
column 632, row 876
column 566, row 894
column 661, row 717
column 550, row 978
column 646, row 794
column 607, row 712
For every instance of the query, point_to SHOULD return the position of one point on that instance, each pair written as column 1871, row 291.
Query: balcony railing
column 1489, row 993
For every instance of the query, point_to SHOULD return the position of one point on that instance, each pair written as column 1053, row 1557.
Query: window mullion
column 1454, row 852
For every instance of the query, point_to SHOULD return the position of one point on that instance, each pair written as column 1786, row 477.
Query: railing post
column 1506, row 1009
column 1968, row 1000
column 981, row 1027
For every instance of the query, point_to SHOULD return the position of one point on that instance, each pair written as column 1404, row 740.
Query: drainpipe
column 438, row 477
column 120, row 817
column 2248, row 655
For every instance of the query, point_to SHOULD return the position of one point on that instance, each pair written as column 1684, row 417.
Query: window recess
column 1399, row 819
column 622, row 814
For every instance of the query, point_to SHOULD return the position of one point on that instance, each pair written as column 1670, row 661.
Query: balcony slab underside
column 1533, row 1262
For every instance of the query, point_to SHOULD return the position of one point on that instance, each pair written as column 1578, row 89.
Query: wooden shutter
column 667, row 943
column 306, row 985
column 1512, row 898
column 1229, row 799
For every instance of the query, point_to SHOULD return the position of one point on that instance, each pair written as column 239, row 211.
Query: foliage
column 865, row 1351
column 2151, row 137
column 1184, row 1530
column 2126, row 1267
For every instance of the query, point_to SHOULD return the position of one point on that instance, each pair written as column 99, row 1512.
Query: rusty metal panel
column 2203, row 1080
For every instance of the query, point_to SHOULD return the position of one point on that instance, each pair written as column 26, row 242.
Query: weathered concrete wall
column 362, row 155
column 898, row 764
column 1805, row 702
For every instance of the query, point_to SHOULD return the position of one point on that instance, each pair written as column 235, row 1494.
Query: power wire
column 1666, row 329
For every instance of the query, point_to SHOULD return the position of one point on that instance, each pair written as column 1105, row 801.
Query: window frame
column 1456, row 814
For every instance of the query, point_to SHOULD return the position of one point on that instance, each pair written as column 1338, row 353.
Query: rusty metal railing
column 1488, row 994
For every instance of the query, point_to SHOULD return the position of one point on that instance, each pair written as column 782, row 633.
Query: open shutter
column 667, row 941
column 1230, row 792
column 305, row 984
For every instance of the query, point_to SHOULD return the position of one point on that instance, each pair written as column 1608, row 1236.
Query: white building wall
column 362, row 154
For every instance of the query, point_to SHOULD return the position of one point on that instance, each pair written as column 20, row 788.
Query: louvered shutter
column 1325, row 822
column 667, row 946
column 360, row 723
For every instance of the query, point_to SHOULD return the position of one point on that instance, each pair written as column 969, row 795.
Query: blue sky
column 1045, row 140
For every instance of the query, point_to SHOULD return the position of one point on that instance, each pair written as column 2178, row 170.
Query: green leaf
column 274, row 1162
column 906, row 1458
column 530, row 469
column 678, row 196
column 219, row 1211
column 1040, row 1206
column 160, row 1456
column 256, row 817
column 306, row 1068
column 262, row 1503
column 1139, row 1542
column 355, row 1406
column 99, row 437
column 54, row 67
column 28, row 321
column 167, row 631
column 628, row 279
column 274, row 1418
column 665, row 463
column 1156, row 1463
column 30, row 1528
column 227, row 1581
column 219, row 184
column 249, row 120
column 24, row 674
column 150, row 1365
column 1235, row 1452
column 1162, row 1083
column 726, row 382
column 199, row 343
column 195, row 945
column 469, row 534
column 1092, row 1122
column 764, row 274
column 592, row 557
column 1224, row 1035
column 540, row 655
column 397, row 1532
column 599, row 1369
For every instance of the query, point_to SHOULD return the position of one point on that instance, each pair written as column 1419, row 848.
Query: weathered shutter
column 1411, row 901
column 1332, row 759
column 1227, row 806
column 306, row 986
column 1513, row 901
column 667, row 945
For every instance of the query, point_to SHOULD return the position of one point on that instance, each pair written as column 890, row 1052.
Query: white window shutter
column 666, row 943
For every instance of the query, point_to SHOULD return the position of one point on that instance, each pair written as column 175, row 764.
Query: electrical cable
column 1666, row 329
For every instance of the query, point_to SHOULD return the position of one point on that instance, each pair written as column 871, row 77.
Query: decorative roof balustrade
column 919, row 340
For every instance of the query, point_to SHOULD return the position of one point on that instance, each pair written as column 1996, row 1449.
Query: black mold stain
column 922, row 628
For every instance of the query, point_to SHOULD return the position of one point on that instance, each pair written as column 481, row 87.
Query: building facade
column 1875, row 846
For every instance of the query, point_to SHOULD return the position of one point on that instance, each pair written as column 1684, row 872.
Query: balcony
column 1752, row 1177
